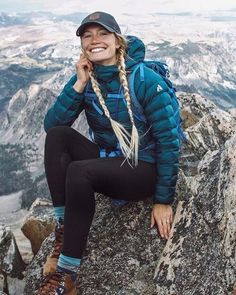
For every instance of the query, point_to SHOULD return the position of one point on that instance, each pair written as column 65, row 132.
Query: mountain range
column 39, row 50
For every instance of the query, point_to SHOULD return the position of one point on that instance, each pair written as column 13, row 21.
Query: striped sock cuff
column 59, row 212
column 69, row 263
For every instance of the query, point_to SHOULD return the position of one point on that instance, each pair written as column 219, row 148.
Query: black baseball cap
column 102, row 18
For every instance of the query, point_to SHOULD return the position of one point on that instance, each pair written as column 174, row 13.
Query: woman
column 129, row 159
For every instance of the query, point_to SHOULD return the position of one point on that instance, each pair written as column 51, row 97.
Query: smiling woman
column 99, row 45
column 128, row 159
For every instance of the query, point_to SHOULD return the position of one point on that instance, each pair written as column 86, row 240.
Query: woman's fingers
column 84, row 62
column 152, row 220
column 168, row 222
column 164, row 227
column 162, row 215
column 168, row 227
column 83, row 67
column 160, row 228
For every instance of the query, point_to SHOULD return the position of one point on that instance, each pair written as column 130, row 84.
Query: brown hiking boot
column 51, row 262
column 57, row 283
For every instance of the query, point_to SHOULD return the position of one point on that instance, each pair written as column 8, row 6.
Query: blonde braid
column 97, row 91
column 123, row 80
column 121, row 133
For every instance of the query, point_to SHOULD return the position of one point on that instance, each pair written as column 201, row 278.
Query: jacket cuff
column 161, row 200
column 70, row 91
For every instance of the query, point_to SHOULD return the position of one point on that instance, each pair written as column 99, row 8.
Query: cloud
column 118, row 7
column 140, row 6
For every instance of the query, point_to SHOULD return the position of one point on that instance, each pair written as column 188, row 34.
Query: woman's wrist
column 79, row 86
column 161, row 205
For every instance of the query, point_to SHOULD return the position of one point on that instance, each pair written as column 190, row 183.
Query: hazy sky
column 119, row 6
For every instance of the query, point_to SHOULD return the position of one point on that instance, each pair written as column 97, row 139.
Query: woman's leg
column 62, row 146
column 104, row 175
column 65, row 152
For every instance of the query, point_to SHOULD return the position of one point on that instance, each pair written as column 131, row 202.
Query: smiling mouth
column 99, row 49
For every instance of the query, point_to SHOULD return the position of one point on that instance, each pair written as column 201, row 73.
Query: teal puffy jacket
column 159, row 141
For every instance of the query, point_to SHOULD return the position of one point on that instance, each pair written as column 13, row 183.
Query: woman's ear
column 117, row 42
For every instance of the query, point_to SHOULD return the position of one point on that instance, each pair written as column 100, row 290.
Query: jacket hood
column 135, row 51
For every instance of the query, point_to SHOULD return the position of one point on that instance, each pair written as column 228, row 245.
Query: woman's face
column 99, row 45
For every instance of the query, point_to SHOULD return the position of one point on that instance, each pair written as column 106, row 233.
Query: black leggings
column 74, row 172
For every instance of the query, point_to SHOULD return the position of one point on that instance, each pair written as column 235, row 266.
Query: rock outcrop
column 123, row 256
column 207, row 128
column 199, row 258
column 124, row 244
column 39, row 223
column 11, row 264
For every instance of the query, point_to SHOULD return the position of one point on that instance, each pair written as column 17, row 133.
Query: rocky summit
column 38, row 52
column 125, row 257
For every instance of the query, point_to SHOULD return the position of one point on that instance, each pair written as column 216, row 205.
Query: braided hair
column 128, row 142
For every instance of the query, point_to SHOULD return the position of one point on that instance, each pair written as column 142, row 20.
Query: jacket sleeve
column 160, row 115
column 67, row 107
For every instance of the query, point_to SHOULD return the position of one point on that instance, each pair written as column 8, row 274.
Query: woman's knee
column 57, row 132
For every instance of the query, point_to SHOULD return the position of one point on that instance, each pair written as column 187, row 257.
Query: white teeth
column 97, row 49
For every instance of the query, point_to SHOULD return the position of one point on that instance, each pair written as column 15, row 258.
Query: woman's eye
column 103, row 33
column 86, row 35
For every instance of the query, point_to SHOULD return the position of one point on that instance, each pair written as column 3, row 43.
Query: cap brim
column 81, row 29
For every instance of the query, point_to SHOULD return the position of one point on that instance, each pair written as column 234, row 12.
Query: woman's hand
column 162, row 215
column 83, row 67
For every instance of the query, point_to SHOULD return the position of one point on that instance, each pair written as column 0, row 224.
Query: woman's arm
column 66, row 108
column 160, row 115
column 69, row 103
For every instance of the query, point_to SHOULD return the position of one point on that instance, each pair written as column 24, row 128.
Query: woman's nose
column 95, row 39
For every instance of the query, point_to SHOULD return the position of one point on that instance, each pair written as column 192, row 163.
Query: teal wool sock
column 59, row 213
column 69, row 265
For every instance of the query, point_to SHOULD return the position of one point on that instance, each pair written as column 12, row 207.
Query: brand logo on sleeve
column 159, row 88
